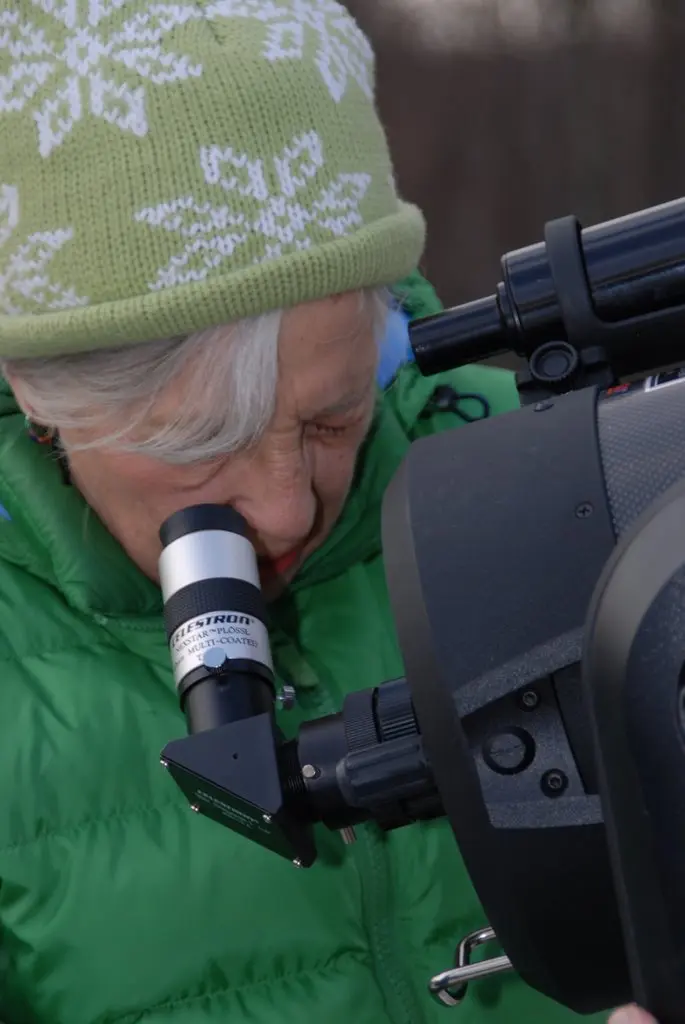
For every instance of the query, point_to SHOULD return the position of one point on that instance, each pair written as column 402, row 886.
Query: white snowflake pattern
column 62, row 81
column 343, row 51
column 280, row 221
column 24, row 279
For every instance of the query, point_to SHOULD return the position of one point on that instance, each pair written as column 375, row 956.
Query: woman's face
column 292, row 485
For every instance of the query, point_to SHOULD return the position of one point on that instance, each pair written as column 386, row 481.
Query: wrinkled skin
column 292, row 485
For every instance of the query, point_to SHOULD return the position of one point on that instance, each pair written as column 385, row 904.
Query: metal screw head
column 266, row 818
column 543, row 406
column 214, row 659
column 509, row 751
column 297, row 862
column 554, row 782
column 310, row 771
column 530, row 699
column 286, row 699
column 195, row 807
column 584, row 510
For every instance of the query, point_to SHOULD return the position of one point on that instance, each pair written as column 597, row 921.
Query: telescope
column 536, row 569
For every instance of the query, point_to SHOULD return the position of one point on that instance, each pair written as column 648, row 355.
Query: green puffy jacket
column 117, row 904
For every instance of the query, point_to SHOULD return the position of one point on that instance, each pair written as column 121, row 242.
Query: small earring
column 38, row 433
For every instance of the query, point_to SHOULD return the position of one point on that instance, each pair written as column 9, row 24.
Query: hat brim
column 377, row 254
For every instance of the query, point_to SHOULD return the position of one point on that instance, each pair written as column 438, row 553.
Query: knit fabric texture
column 165, row 167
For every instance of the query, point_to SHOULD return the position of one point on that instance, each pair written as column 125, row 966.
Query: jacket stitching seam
column 229, row 990
column 120, row 813
column 94, row 645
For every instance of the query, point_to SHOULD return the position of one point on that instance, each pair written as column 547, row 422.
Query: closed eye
column 324, row 428
column 350, row 415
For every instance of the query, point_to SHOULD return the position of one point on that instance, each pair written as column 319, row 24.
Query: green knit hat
column 165, row 167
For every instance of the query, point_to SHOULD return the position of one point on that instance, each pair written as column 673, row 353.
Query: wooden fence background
column 504, row 113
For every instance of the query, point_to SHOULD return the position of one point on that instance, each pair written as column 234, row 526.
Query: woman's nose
column 280, row 508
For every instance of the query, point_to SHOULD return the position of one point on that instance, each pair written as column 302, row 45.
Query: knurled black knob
column 394, row 711
column 358, row 719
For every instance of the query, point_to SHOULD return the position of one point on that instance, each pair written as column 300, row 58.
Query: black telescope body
column 536, row 570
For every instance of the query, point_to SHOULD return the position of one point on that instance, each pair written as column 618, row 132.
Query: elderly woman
column 200, row 239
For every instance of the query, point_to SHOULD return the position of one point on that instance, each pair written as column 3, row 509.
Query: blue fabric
column 395, row 347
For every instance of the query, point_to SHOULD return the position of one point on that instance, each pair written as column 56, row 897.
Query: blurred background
column 505, row 113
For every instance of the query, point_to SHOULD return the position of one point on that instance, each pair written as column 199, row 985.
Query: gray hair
column 227, row 402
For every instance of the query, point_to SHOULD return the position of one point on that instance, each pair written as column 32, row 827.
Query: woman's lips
column 280, row 566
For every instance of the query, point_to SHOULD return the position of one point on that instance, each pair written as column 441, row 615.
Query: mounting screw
column 195, row 807
column 584, row 510
column 286, row 699
column 310, row 771
column 509, row 751
column 543, row 406
column 553, row 782
column 163, row 762
column 297, row 862
column 266, row 818
column 215, row 659
column 529, row 700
